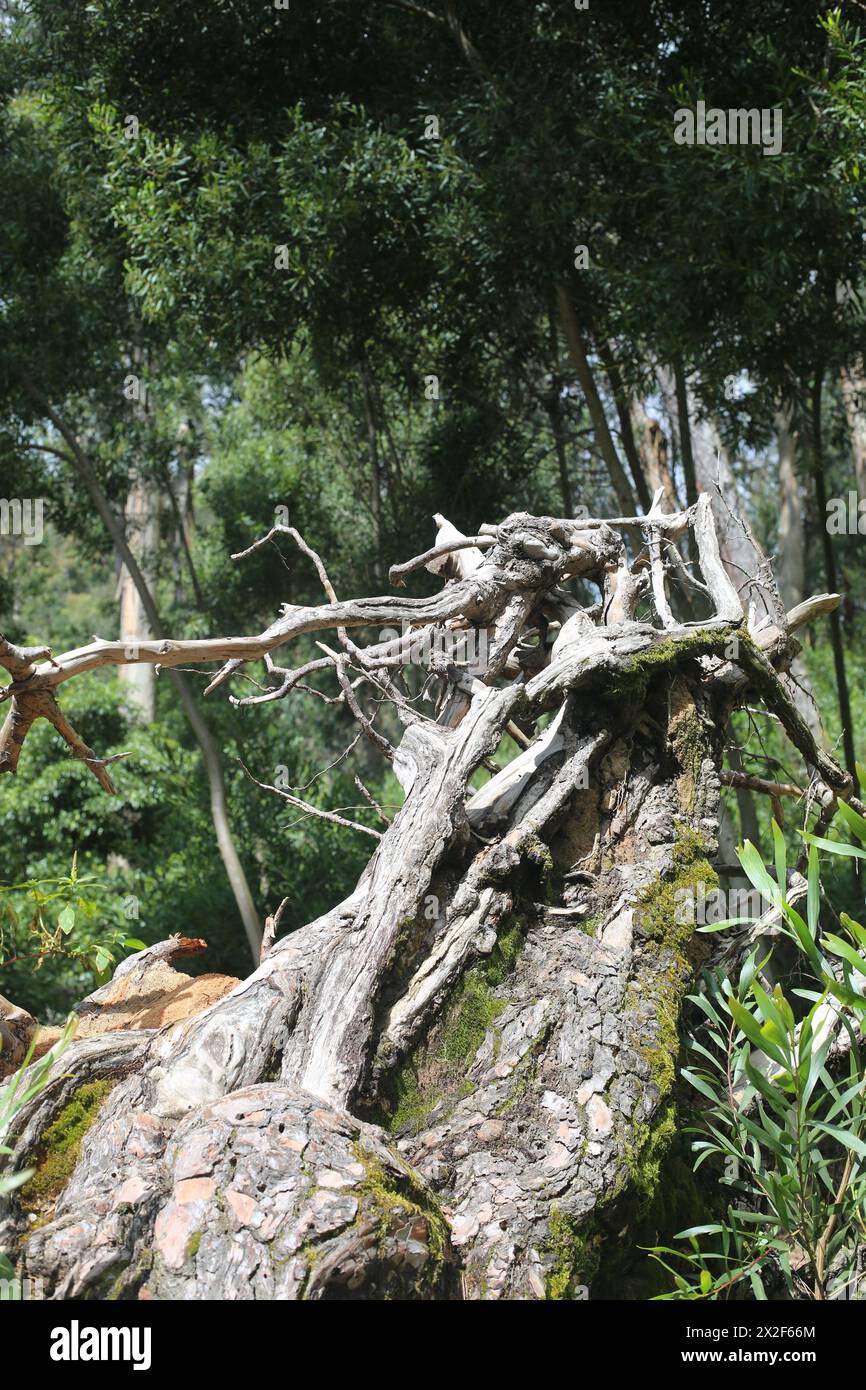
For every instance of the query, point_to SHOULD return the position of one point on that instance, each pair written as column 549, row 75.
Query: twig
column 370, row 798
column 775, row 790
column 302, row 546
column 272, row 925
column 311, row 810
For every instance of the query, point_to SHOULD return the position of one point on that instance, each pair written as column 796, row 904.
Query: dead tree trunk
column 440, row 1087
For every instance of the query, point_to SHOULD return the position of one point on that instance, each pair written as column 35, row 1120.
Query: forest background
column 350, row 266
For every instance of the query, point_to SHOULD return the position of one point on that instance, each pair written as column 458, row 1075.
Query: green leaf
column 102, row 959
column 854, row 821
column 748, row 1025
column 775, row 1023
column 835, row 846
column 66, row 920
column 780, row 856
column 804, row 937
column 846, row 951
column 9, row 1181
column 699, row 1084
column 845, row 1137
column 813, row 897
column 728, row 922
column 132, row 943
column 756, row 873
column 858, row 932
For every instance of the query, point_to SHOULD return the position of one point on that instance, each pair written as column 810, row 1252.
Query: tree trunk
column 142, row 532
column 791, row 565
column 577, row 349
column 854, row 397
column 459, row 1081
column 836, row 636
column 553, row 406
column 629, row 444
column 653, row 450
column 743, row 559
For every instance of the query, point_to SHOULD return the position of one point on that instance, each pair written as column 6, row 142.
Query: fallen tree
column 442, row 1086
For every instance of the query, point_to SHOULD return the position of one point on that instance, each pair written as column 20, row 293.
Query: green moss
column 505, row 954
column 646, row 1154
column 538, row 853
column 112, row 1287
column 392, row 1201
column 668, row 928
column 436, row 1071
column 630, row 685
column 409, row 1103
column 574, row 1248
column 659, row 909
column 194, row 1243
column 57, row 1152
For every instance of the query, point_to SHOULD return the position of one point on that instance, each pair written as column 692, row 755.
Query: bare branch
column 305, row 806
column 302, row 546
column 397, row 573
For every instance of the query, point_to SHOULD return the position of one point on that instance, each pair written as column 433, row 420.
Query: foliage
column 785, row 1114
column 13, row 1097
column 53, row 909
